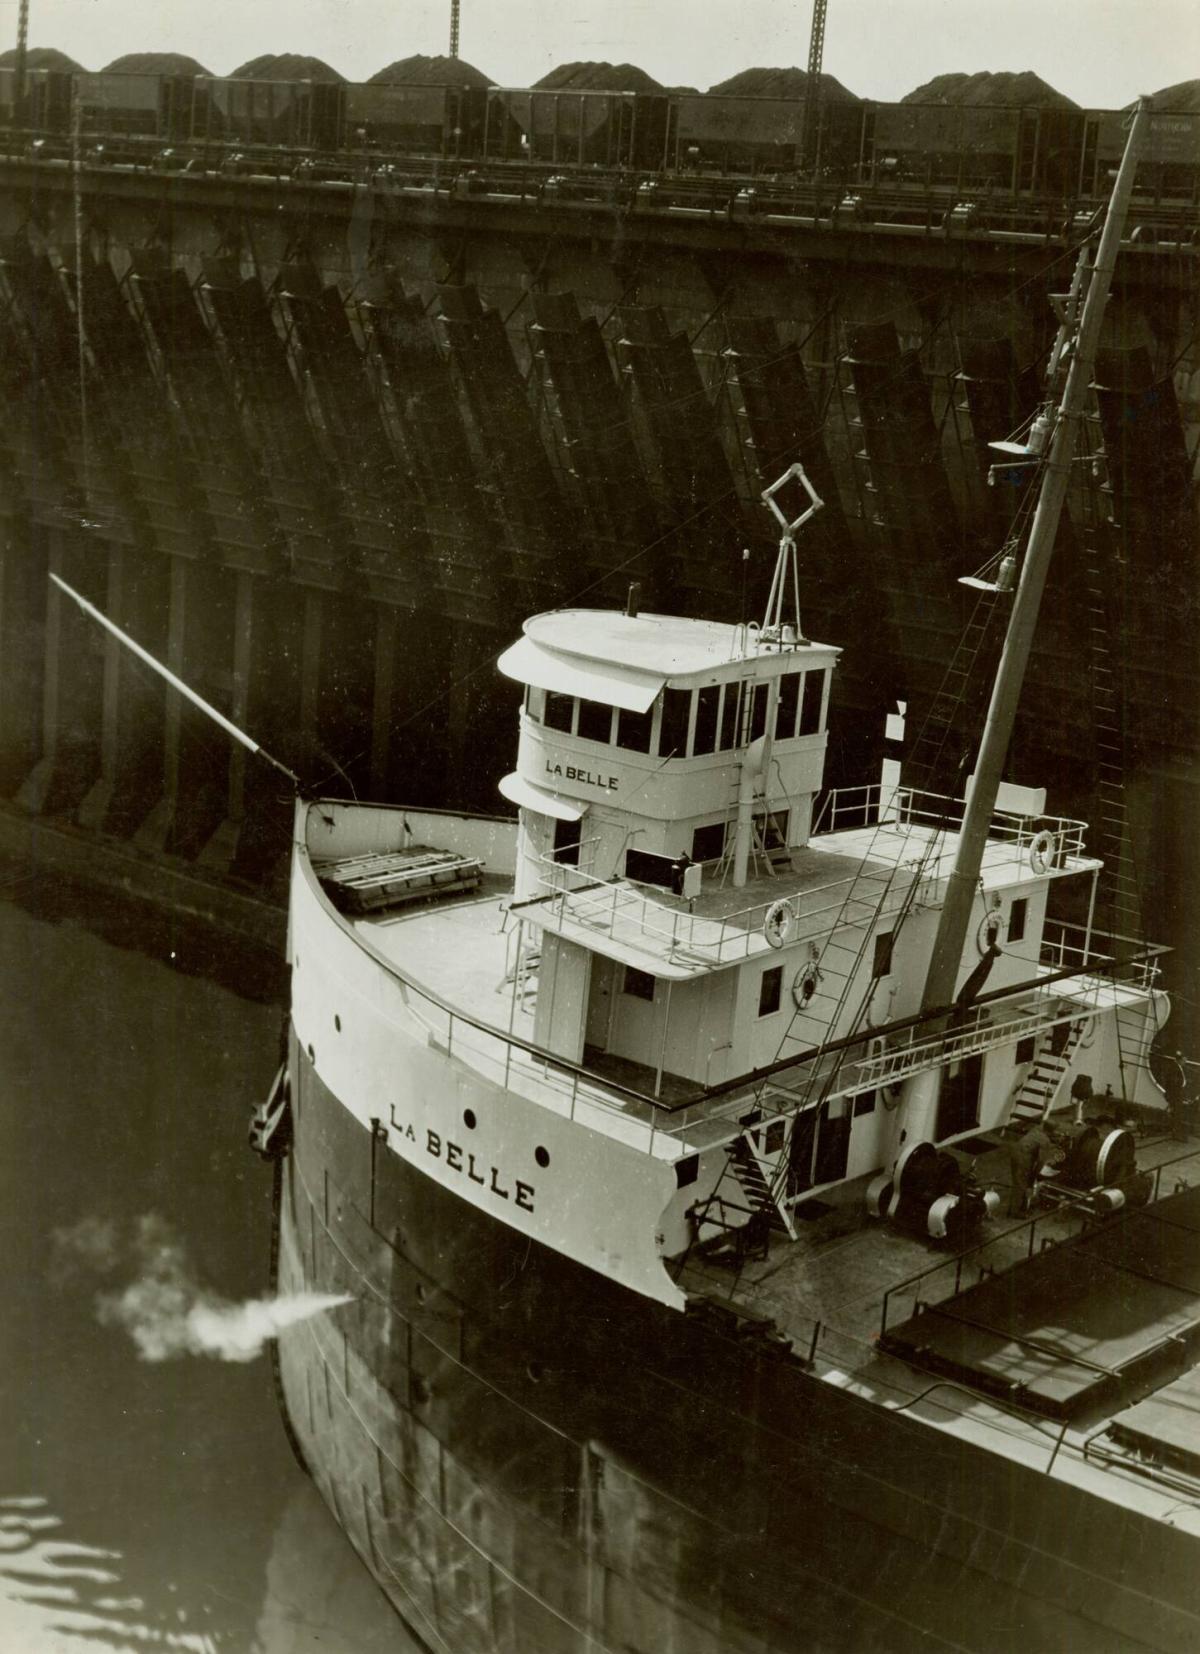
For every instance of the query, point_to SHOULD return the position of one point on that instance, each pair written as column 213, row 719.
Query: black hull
column 532, row 1460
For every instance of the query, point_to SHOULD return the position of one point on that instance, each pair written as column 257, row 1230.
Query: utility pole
column 454, row 5
column 19, row 62
column 811, row 131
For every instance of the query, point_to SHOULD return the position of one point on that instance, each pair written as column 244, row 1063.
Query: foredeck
column 460, row 956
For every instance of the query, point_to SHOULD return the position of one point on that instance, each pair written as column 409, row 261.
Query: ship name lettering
column 570, row 773
column 453, row 1154
column 405, row 1130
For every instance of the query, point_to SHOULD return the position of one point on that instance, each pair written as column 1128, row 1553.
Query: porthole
column 536, row 1372
column 421, row 1293
column 542, row 1156
column 469, row 1118
column 337, row 1022
column 312, row 1055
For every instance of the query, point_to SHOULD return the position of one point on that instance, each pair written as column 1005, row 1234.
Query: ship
column 759, row 1220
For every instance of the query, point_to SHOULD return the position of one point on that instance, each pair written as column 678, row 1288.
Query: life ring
column 987, row 936
column 1041, row 851
column 804, row 984
column 778, row 922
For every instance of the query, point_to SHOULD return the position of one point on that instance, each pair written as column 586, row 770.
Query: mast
column 918, row 1115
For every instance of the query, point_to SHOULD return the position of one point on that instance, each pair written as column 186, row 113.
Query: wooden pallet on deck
column 371, row 883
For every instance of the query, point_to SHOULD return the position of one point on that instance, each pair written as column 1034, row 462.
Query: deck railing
column 649, row 1118
column 1058, row 838
column 614, row 907
column 652, row 1120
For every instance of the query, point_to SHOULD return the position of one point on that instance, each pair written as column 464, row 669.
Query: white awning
column 594, row 680
column 519, row 791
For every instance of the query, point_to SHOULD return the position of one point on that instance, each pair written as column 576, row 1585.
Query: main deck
column 1070, row 1345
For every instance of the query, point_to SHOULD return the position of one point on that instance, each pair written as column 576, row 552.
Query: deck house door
column 958, row 1105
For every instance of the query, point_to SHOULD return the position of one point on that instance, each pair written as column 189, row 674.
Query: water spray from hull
column 165, row 1308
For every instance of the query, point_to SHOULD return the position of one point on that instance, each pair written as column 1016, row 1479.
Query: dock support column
column 130, row 698
column 157, row 830
column 93, row 811
column 221, row 849
column 35, row 788
column 21, row 600
column 68, row 756
column 458, row 709
column 310, row 667
column 381, row 706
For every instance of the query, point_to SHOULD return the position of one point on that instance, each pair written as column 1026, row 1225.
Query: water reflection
column 146, row 1506
column 55, row 1593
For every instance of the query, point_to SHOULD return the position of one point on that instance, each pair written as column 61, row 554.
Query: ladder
column 1118, row 898
column 760, row 1183
column 1038, row 1094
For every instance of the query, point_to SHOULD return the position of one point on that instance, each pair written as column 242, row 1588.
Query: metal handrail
column 719, row 938
column 664, row 1115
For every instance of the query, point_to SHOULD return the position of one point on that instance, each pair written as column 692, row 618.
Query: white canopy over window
column 594, row 680
column 519, row 791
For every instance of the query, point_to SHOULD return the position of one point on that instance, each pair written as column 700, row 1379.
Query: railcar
column 270, row 114
column 414, row 120
column 620, row 130
column 958, row 162
column 47, row 100
column 749, row 136
column 1169, row 172
column 113, row 103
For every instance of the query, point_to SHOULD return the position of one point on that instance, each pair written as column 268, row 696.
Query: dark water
column 144, row 1505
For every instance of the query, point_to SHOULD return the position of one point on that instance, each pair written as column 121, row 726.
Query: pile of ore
column 780, row 83
column 423, row 70
column 156, row 63
column 1002, row 87
column 598, row 77
column 42, row 57
column 285, row 66
column 1185, row 94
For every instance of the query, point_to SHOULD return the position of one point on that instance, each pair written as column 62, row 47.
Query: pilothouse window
column 810, row 709
column 758, row 710
column 560, row 711
column 789, row 701
column 595, row 721
column 705, row 738
column 729, row 717
column 634, row 730
column 676, row 714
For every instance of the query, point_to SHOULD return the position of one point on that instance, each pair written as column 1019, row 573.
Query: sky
column 1101, row 53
